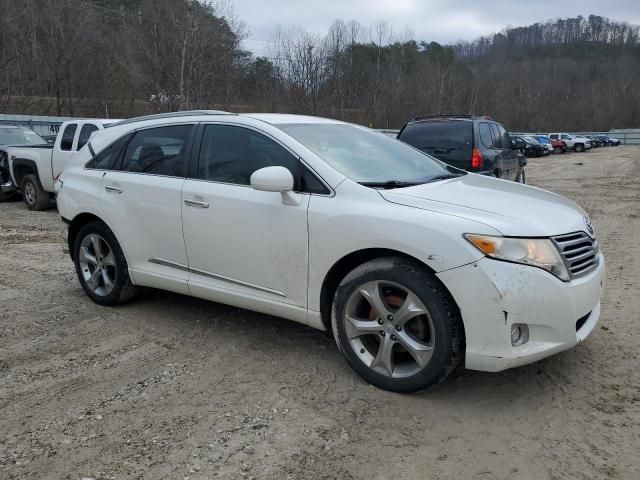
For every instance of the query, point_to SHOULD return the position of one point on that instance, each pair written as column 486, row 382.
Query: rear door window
column 66, row 142
column 158, row 151
column 439, row 134
column 106, row 159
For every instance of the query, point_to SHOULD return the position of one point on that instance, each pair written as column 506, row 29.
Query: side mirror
column 272, row 179
column 276, row 179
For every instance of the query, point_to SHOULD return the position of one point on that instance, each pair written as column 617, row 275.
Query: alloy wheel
column 97, row 264
column 30, row 193
column 389, row 328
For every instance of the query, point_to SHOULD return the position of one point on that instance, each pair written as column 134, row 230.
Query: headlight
column 538, row 252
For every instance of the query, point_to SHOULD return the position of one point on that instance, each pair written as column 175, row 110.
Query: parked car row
column 481, row 145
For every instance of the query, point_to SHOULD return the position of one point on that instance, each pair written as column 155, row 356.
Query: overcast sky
column 431, row 20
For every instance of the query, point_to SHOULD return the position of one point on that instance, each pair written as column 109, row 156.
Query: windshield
column 364, row 155
column 20, row 136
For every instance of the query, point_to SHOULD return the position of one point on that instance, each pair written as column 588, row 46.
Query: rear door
column 141, row 202
column 509, row 154
column 449, row 140
column 491, row 147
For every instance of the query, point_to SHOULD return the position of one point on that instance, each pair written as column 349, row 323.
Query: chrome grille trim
column 579, row 252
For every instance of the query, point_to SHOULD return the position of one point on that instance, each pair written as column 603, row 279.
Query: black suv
column 475, row 144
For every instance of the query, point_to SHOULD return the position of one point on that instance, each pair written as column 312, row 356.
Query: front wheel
column 101, row 266
column 579, row 147
column 396, row 325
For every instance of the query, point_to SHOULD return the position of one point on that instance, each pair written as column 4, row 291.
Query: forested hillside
column 122, row 58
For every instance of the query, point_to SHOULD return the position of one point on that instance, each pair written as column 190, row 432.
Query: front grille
column 579, row 251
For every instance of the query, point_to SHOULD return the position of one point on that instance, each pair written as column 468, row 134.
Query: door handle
column 112, row 189
column 196, row 203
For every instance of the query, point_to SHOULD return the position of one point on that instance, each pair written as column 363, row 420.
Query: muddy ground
column 169, row 387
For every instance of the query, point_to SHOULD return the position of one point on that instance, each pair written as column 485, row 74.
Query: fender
column 83, row 218
column 19, row 167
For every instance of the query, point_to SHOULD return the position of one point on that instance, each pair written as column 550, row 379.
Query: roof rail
column 486, row 117
column 157, row 116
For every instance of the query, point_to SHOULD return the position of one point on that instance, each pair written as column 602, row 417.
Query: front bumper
column 493, row 295
column 8, row 187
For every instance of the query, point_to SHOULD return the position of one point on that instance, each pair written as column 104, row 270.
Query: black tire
column 579, row 147
column 557, row 150
column 443, row 314
column 122, row 289
column 33, row 195
column 522, row 177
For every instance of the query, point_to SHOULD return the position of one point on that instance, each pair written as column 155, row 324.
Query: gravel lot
column 169, row 387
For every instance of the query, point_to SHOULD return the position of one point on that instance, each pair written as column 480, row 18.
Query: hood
column 511, row 208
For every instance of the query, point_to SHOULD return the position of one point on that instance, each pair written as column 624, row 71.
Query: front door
column 141, row 202
column 242, row 242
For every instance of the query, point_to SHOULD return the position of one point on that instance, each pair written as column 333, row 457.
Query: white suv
column 412, row 264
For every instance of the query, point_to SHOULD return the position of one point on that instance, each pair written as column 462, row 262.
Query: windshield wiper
column 446, row 176
column 388, row 184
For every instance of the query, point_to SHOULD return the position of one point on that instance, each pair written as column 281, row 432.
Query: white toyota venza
column 412, row 265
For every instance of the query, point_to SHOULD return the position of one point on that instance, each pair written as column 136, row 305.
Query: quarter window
column 231, row 154
column 66, row 142
column 506, row 138
column 85, row 134
column 485, row 135
column 158, row 151
column 495, row 133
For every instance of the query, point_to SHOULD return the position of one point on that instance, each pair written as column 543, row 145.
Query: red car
column 558, row 146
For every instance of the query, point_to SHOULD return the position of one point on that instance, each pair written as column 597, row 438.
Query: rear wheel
column 101, row 266
column 34, row 196
column 396, row 325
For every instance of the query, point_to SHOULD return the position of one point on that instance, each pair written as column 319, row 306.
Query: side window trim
column 197, row 147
